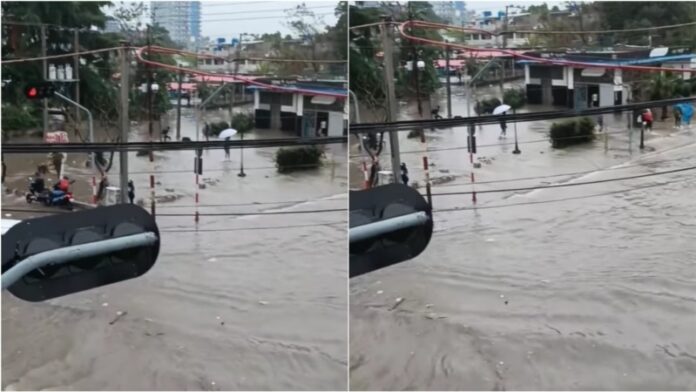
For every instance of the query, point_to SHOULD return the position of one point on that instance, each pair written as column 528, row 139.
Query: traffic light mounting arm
column 75, row 252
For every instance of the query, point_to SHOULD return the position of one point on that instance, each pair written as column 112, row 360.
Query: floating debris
column 105, row 304
column 212, row 259
column 398, row 302
column 380, row 292
column 118, row 317
column 263, row 302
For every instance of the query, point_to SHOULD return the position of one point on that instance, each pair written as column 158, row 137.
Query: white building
column 182, row 19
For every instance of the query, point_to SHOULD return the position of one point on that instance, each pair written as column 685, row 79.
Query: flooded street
column 254, row 302
column 583, row 287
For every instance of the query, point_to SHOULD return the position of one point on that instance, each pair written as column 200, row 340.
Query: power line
column 563, row 174
column 165, row 230
column 258, row 18
column 409, row 125
column 265, row 10
column 493, row 206
column 204, row 214
column 38, row 148
column 261, row 213
column 58, row 56
column 247, row 204
column 568, row 184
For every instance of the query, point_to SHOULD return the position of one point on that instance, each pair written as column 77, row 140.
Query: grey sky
column 495, row 6
column 228, row 18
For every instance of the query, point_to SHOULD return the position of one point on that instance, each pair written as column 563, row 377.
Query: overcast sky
column 495, row 6
column 229, row 19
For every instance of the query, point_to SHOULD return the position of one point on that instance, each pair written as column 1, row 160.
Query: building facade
column 586, row 87
column 305, row 112
column 182, row 19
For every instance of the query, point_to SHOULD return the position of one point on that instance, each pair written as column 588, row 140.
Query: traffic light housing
column 34, row 236
column 39, row 91
column 382, row 204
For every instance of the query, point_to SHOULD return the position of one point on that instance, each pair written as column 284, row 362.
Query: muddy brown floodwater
column 244, row 302
column 584, row 288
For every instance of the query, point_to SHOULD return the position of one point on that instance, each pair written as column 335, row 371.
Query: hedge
column 572, row 132
column 302, row 158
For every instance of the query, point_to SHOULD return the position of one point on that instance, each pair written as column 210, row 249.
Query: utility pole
column 45, row 76
column 149, row 87
column 449, row 88
column 415, row 65
column 178, row 109
column 76, row 73
column 125, row 121
column 234, row 88
column 388, row 48
column 505, row 27
column 150, row 82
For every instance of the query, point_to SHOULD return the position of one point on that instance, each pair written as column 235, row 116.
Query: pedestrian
column 206, row 131
column 165, row 134
column 4, row 168
column 436, row 113
column 131, row 191
column 227, row 148
column 503, row 128
column 404, row 173
column 677, row 117
column 324, row 128
column 600, row 123
column 459, row 75
column 647, row 118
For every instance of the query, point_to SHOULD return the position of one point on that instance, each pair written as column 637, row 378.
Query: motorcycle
column 50, row 198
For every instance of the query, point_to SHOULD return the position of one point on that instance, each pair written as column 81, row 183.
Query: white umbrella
column 501, row 109
column 229, row 132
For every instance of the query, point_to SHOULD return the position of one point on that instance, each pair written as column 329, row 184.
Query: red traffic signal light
column 39, row 91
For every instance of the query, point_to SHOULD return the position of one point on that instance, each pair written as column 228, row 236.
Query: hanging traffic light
column 388, row 224
column 49, row 257
column 39, row 90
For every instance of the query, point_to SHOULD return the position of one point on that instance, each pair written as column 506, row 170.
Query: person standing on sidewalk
column 677, row 117
column 647, row 119
column 131, row 191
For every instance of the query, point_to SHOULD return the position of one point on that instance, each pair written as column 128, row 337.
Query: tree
column 243, row 122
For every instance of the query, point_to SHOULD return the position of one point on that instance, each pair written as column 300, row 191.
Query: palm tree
column 663, row 87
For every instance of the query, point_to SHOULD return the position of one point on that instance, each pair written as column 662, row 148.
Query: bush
column 18, row 118
column 486, row 106
column 243, row 122
column 572, row 132
column 290, row 159
column 215, row 128
column 516, row 98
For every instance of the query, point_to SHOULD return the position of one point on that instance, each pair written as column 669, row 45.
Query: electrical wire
column 246, row 204
column 571, row 63
column 494, row 206
column 261, row 11
column 520, row 117
column 39, row 148
column 599, row 170
column 24, row 60
column 220, row 230
column 260, row 213
column 258, row 18
column 565, row 185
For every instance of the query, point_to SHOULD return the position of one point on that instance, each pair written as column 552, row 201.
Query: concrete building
column 303, row 112
column 584, row 87
column 112, row 25
column 182, row 19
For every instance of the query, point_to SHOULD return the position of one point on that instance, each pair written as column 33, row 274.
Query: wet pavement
column 586, row 287
column 238, row 302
